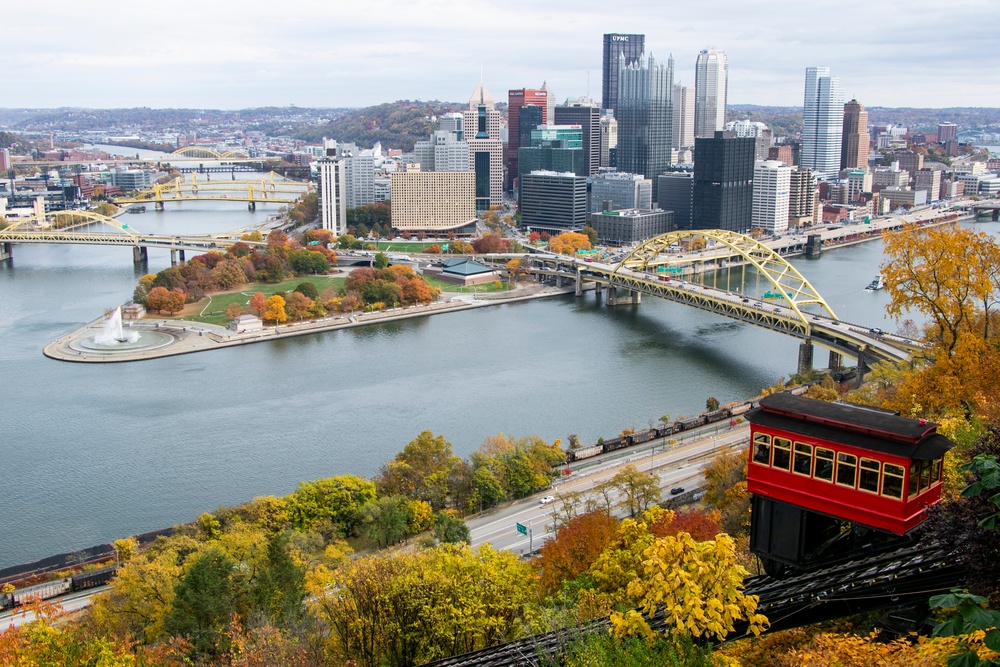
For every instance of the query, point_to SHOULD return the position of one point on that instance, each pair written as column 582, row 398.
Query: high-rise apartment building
column 711, row 80
column 947, row 132
column 803, row 199
column 631, row 47
column 609, row 138
column 585, row 113
column 645, row 116
column 682, row 132
column 481, row 127
column 517, row 99
column 434, row 201
column 854, row 146
column 333, row 195
column 771, row 183
column 723, row 182
column 822, row 123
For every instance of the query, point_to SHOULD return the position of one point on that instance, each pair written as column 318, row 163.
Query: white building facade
column 711, row 81
column 822, row 123
column 333, row 195
column 771, row 184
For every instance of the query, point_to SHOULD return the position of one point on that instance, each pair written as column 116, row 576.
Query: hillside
column 394, row 124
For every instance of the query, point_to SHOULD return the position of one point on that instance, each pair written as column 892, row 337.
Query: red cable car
column 836, row 479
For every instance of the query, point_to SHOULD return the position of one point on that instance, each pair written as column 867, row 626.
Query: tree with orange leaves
column 575, row 547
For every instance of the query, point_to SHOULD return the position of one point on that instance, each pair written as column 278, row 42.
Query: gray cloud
column 319, row 53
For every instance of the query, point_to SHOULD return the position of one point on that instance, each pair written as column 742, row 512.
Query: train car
column 830, row 479
column 585, row 452
column 49, row 589
column 93, row 579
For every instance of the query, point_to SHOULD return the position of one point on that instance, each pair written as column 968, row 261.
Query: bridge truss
column 210, row 153
column 265, row 190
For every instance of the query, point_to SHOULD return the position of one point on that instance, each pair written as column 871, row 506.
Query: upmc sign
column 619, row 38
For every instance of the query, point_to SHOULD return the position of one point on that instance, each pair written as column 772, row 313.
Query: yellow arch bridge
column 266, row 190
column 207, row 153
column 790, row 305
column 86, row 228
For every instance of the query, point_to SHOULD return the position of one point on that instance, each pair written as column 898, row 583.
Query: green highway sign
column 521, row 528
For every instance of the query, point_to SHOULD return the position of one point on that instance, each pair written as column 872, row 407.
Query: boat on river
column 876, row 284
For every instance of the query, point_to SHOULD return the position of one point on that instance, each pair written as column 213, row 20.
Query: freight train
column 58, row 587
column 664, row 430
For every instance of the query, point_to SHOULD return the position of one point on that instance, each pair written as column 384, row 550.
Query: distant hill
column 395, row 124
column 783, row 121
column 787, row 121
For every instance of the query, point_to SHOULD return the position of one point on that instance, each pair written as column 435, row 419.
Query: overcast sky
column 340, row 53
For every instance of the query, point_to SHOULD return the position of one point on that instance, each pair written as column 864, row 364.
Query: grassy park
column 212, row 309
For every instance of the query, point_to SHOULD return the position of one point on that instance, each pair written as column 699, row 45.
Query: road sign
column 521, row 528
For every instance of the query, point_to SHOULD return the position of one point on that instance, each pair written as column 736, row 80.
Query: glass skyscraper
column 615, row 45
column 645, row 117
column 822, row 123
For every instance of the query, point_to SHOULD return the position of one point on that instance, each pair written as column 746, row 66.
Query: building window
column 802, row 461
column 892, row 481
column 762, row 448
column 824, row 464
column 847, row 468
column 868, row 480
column 782, row 453
column 914, row 479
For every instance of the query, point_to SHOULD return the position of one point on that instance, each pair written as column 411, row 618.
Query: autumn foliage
column 568, row 243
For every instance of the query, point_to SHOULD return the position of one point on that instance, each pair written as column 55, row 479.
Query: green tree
column 591, row 234
column 308, row 289
column 204, row 600
column 424, row 470
column 712, row 404
column 639, row 491
column 338, row 499
column 381, row 260
column 385, row 520
column 308, row 262
column 278, row 588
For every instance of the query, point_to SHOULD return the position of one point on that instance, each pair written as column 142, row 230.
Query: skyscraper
column 481, row 127
column 854, row 146
column 587, row 115
column 632, row 47
column 609, row 138
column 771, row 183
column 822, row 123
column 517, row 98
column 333, row 194
column 645, row 116
column 683, row 130
column 723, row 182
column 711, row 80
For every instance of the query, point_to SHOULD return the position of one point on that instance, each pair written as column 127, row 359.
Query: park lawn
column 404, row 246
column 212, row 309
column 451, row 287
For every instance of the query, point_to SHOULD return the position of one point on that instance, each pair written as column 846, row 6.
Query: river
column 90, row 453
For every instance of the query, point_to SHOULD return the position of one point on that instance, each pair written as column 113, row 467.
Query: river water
column 90, row 453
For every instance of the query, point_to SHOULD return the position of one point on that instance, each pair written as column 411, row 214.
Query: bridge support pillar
column 814, row 245
column 181, row 255
column 252, row 206
column 836, row 361
column 629, row 297
column 6, row 251
column 862, row 367
column 598, row 287
column 996, row 215
column 173, row 257
column 805, row 357
column 158, row 206
column 579, row 284
column 140, row 254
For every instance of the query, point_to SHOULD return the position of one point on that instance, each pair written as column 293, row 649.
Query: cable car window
column 868, row 480
column 936, row 471
column 824, row 464
column 802, row 460
column 914, row 477
column 847, row 468
column 892, row 481
column 925, row 475
column 782, row 453
column 762, row 448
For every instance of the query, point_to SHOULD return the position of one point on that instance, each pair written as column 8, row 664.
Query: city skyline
column 310, row 54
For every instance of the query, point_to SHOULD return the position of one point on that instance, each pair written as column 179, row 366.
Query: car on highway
column 545, row 500
column 677, row 490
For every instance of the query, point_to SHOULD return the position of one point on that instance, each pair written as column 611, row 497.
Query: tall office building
column 683, row 130
column 481, row 127
column 676, row 191
column 553, row 148
column 711, row 81
column 645, row 116
column 771, row 182
column 333, row 195
column 442, row 152
column 609, row 139
column 516, row 99
column 803, row 198
column 822, row 123
column 723, row 182
column 623, row 191
column 529, row 117
column 854, row 146
column 616, row 45
column 585, row 113
column 553, row 202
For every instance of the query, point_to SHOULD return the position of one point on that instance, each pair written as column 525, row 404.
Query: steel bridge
column 86, row 228
column 790, row 306
column 266, row 190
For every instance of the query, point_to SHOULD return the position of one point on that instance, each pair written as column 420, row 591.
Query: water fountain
column 115, row 338
column 114, row 332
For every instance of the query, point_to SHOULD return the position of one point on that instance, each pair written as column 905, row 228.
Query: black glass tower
column 723, row 182
column 645, row 117
column 632, row 47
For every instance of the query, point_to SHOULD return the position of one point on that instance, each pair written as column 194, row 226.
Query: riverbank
column 188, row 337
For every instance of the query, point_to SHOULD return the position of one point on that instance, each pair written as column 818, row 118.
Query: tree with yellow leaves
column 568, row 243
column 697, row 586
